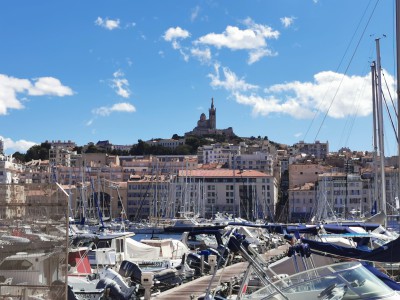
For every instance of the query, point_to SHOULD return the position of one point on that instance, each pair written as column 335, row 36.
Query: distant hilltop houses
column 208, row 170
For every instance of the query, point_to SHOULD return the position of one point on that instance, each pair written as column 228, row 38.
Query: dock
column 198, row 287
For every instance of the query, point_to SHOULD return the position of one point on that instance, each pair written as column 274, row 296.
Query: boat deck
column 198, row 287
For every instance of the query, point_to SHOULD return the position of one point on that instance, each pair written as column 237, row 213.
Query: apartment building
column 150, row 196
column 249, row 194
column 259, row 161
column 158, row 164
column 10, row 171
column 167, row 143
column 341, row 194
column 59, row 155
column 77, row 175
column 62, row 144
column 318, row 150
column 218, row 153
column 301, row 173
column 302, row 202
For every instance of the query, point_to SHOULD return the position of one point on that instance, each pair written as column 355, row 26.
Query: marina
column 208, row 215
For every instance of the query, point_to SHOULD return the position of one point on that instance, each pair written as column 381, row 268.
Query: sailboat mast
column 398, row 84
column 380, row 127
column 374, row 110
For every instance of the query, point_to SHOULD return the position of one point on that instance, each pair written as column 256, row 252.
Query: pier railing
column 33, row 241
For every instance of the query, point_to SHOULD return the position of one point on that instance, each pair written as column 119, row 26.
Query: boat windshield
column 348, row 280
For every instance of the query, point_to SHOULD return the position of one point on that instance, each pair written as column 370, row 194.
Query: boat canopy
column 386, row 253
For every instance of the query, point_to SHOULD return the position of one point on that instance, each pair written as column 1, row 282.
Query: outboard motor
column 131, row 270
column 115, row 291
column 211, row 251
column 168, row 277
column 194, row 262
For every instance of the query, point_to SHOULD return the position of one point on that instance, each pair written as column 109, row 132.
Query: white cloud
column 230, row 82
column 298, row 134
column 120, row 84
column 203, row 56
column 195, row 13
column 339, row 95
column 118, row 107
column 267, row 105
column 253, row 39
column 184, row 55
column 257, row 54
column 107, row 23
column 11, row 146
column 287, row 21
column 10, row 87
column 49, row 86
column 343, row 95
column 173, row 34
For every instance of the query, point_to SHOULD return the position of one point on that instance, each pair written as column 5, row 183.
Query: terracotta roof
column 221, row 173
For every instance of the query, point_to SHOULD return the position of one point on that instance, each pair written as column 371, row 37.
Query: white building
column 9, row 170
column 218, row 153
column 61, row 156
column 167, row 143
column 246, row 193
column 341, row 194
column 301, row 202
column 260, row 161
column 318, row 150
column 63, row 144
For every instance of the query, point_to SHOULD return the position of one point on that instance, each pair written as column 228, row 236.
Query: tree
column 92, row 149
column 182, row 150
column 78, row 149
column 193, row 142
column 141, row 148
column 19, row 157
column 38, row 152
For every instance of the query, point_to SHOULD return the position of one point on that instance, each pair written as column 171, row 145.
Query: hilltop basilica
column 205, row 127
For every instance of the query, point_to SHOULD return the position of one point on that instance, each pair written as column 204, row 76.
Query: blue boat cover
column 386, row 253
column 344, row 228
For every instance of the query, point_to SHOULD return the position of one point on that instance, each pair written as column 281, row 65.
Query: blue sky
column 126, row 70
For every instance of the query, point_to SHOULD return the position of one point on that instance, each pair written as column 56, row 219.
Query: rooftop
column 221, row 173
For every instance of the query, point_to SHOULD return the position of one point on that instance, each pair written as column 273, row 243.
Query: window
column 15, row 265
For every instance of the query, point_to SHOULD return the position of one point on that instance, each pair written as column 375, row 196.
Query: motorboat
column 347, row 280
column 340, row 280
column 25, row 275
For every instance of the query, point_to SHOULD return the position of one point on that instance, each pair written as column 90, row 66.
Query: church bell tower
column 212, row 115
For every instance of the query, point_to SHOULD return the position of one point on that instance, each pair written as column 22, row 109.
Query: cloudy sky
column 126, row 70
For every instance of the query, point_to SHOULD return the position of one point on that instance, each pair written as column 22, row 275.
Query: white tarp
column 137, row 250
column 169, row 248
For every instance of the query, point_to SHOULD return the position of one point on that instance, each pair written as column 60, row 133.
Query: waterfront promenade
column 198, row 287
